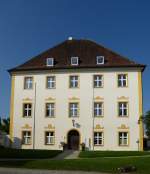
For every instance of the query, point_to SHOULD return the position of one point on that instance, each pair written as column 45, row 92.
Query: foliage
column 4, row 125
column 28, row 153
column 147, row 123
column 99, row 154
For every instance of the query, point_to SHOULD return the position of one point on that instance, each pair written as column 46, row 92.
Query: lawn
column 88, row 161
column 29, row 154
column 98, row 154
column 109, row 165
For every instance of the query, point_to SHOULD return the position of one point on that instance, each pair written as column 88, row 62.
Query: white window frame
column 28, row 83
column 50, row 61
column 73, row 109
column 122, row 108
column 121, row 79
column 99, row 137
column 51, row 82
column 26, row 137
column 27, row 109
column 73, row 81
column 49, row 139
column 98, row 80
column 50, row 107
column 123, row 140
column 98, row 108
column 76, row 59
column 98, row 58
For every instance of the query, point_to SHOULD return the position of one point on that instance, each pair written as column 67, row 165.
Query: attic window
column 74, row 60
column 100, row 60
column 50, row 61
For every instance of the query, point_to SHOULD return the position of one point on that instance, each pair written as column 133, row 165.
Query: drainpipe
column 34, row 118
column 93, row 116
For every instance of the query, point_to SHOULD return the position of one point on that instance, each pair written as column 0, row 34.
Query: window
column 26, row 137
column 98, row 138
column 49, row 138
column 73, row 82
column 50, row 109
column 28, row 82
column 27, row 110
column 73, row 109
column 51, row 83
column 122, row 80
column 123, row 138
column 98, row 109
column 123, row 109
column 50, row 61
column 74, row 60
column 100, row 60
column 98, row 81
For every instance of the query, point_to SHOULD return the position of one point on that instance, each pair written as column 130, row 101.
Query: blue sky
column 28, row 27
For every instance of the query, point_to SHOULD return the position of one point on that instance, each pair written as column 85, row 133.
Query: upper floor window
column 50, row 109
column 26, row 137
column 49, row 138
column 98, row 138
column 123, row 109
column 73, row 109
column 74, row 60
column 98, row 109
column 98, row 81
column 100, row 60
column 27, row 110
column 122, row 80
column 51, row 82
column 28, row 82
column 123, row 138
column 74, row 82
column 50, row 61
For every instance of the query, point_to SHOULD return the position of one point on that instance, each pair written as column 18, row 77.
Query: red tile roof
column 86, row 50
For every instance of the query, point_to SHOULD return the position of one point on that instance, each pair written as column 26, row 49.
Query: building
column 77, row 93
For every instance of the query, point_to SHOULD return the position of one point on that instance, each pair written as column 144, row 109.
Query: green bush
column 98, row 154
column 28, row 153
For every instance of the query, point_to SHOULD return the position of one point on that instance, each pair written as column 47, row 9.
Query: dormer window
column 100, row 60
column 74, row 60
column 50, row 61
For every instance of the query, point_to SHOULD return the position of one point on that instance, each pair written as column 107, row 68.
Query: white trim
column 76, row 59
column 98, row 58
column 50, row 62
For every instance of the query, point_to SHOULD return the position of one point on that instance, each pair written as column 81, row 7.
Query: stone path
column 33, row 171
column 68, row 154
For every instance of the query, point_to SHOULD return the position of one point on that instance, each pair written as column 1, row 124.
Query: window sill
column 49, row 144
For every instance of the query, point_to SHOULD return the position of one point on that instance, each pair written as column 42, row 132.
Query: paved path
column 30, row 171
column 68, row 154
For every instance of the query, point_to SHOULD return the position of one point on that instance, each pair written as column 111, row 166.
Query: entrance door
column 73, row 140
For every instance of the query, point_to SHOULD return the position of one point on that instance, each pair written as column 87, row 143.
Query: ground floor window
column 26, row 137
column 49, row 137
column 98, row 138
column 123, row 138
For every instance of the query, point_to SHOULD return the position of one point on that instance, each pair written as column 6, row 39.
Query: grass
column 90, row 161
column 98, row 154
column 108, row 165
column 28, row 154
